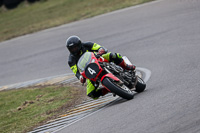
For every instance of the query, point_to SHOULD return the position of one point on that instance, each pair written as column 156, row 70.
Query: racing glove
column 102, row 51
column 82, row 79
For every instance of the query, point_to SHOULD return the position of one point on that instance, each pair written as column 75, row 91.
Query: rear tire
column 123, row 91
column 140, row 86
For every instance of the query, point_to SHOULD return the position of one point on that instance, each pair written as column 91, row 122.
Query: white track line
column 147, row 73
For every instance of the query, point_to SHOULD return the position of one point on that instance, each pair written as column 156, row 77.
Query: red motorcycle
column 113, row 77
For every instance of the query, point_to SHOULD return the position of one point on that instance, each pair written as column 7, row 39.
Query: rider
column 77, row 48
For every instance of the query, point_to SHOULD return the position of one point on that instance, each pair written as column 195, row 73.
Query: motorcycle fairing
column 92, row 70
column 110, row 75
column 89, row 66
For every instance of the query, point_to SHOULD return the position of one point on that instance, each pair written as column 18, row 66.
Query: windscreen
column 84, row 61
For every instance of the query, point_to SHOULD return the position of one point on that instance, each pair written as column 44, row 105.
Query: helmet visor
column 74, row 50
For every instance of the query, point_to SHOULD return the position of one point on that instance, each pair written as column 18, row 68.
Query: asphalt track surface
column 162, row 36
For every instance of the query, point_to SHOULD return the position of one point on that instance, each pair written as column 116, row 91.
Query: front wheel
column 122, row 91
column 140, row 86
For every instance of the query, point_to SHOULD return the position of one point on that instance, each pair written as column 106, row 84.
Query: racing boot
column 126, row 66
column 103, row 90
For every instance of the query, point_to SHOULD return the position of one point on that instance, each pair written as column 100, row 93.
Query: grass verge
column 23, row 109
column 28, row 18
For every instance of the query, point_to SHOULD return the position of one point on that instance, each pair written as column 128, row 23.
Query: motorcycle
column 113, row 77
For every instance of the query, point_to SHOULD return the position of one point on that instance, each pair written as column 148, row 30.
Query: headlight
column 93, row 60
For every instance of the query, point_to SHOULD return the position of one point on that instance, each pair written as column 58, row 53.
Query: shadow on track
column 120, row 100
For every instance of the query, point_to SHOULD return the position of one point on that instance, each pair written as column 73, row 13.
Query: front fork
column 134, row 79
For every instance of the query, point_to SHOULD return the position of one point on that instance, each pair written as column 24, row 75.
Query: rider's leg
column 117, row 59
column 93, row 92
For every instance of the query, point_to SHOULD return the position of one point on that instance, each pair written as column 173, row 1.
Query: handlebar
column 97, row 56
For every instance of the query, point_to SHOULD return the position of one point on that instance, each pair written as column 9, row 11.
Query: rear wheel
column 140, row 86
column 122, row 91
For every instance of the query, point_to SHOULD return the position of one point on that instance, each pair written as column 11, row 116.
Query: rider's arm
column 100, row 50
column 73, row 66
column 94, row 47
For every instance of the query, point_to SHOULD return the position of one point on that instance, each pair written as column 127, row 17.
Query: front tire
column 140, row 86
column 122, row 91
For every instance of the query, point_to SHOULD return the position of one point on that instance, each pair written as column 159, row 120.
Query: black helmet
column 73, row 44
